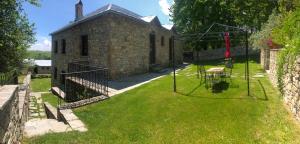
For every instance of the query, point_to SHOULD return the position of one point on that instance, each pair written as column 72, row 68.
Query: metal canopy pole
column 247, row 64
column 173, row 59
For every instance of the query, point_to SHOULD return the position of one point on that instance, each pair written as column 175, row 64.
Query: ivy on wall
column 288, row 35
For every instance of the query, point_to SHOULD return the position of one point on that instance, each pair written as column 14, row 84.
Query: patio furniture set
column 215, row 75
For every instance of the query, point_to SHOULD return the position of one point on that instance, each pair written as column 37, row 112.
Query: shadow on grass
column 220, row 87
column 264, row 91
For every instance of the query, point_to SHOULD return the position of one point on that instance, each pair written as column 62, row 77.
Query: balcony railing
column 83, row 81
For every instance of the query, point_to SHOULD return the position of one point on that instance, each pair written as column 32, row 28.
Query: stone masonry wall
column 291, row 82
column 291, row 88
column 14, row 103
column 265, row 58
column 119, row 43
column 98, row 34
column 273, row 66
column 128, row 53
column 9, row 114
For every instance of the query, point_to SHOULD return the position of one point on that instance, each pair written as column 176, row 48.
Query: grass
column 50, row 98
column 152, row 113
column 40, row 84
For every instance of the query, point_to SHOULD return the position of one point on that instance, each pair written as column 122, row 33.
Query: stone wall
column 14, row 102
column 9, row 114
column 220, row 53
column 291, row 88
column 115, row 41
column 291, row 82
column 273, row 66
column 98, row 43
column 265, row 58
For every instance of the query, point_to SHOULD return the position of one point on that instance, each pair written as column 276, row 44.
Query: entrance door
column 152, row 49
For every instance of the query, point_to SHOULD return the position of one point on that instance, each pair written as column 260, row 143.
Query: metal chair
column 228, row 70
column 203, row 74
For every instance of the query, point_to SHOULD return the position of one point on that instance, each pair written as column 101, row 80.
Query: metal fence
column 10, row 77
column 83, row 81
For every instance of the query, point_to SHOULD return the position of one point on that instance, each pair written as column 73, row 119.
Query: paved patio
column 128, row 83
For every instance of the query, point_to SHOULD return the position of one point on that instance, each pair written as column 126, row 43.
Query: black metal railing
column 9, row 78
column 84, row 81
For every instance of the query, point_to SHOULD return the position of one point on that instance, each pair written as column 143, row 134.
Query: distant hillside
column 42, row 55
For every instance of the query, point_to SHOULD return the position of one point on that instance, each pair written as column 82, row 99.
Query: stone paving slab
column 37, row 127
column 74, row 122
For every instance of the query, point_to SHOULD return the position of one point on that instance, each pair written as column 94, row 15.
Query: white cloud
column 42, row 44
column 165, row 6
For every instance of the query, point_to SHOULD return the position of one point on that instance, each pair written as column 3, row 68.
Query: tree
column 16, row 33
column 192, row 16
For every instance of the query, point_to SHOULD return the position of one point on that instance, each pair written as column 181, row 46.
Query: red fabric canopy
column 227, row 43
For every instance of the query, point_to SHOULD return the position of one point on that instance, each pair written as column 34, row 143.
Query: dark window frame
column 84, row 46
column 55, row 46
column 63, row 46
column 162, row 40
column 55, row 72
column 62, row 77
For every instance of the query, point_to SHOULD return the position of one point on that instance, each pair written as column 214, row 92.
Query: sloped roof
column 168, row 26
column 148, row 18
column 106, row 9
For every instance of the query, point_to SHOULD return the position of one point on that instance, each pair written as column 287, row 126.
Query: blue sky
column 53, row 14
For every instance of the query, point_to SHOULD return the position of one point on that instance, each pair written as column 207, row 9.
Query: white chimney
column 78, row 10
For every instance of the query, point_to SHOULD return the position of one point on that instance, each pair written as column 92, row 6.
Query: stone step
column 57, row 91
column 38, row 127
column 50, row 110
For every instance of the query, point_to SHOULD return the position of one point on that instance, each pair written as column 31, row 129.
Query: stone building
column 113, row 37
column 42, row 67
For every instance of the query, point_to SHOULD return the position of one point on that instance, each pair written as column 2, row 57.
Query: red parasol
column 227, row 43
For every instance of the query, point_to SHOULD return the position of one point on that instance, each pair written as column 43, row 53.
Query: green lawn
column 50, row 98
column 152, row 113
column 40, row 84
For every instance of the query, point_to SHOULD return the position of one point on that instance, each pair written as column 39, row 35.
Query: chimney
column 78, row 10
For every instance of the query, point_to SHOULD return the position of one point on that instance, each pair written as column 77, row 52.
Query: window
column 62, row 77
column 63, row 46
column 84, row 45
column 170, row 49
column 55, row 73
column 162, row 41
column 55, row 46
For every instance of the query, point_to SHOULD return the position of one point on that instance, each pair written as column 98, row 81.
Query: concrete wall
column 220, row 53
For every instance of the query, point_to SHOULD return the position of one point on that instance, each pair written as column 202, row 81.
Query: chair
column 205, row 76
column 228, row 69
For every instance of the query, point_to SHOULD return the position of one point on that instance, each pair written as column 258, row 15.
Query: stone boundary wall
column 291, row 82
column 9, row 114
column 14, row 103
column 220, row 53
column 82, row 102
column 273, row 66
column 265, row 58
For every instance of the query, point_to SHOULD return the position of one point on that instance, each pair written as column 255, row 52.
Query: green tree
column 191, row 16
column 16, row 33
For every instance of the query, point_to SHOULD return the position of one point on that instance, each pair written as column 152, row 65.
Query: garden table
column 215, row 73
